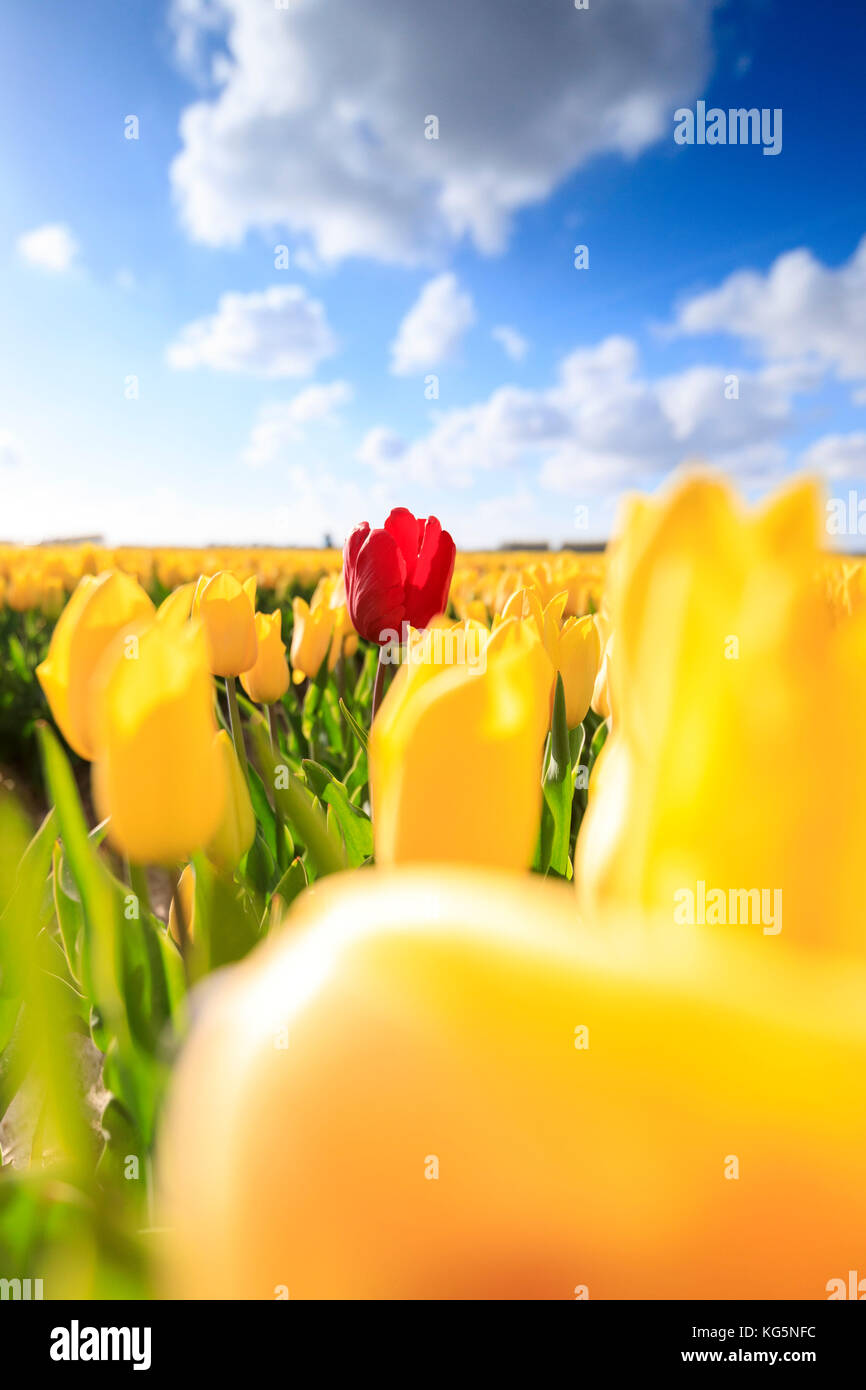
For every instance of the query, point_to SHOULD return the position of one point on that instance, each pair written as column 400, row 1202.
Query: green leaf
column 122, row 967
column 599, row 740
column 226, row 924
column 70, row 914
column 263, row 810
column 354, row 725
column 293, row 882
column 301, row 811
column 258, row 865
column 356, row 828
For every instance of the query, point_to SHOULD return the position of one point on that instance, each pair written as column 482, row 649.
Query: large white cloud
column 50, row 247
column 278, row 332
column 434, row 327
column 603, row 425
column 800, row 308
column 315, row 120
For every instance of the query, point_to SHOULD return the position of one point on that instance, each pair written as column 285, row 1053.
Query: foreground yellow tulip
column 158, row 773
column 311, row 637
column 268, row 680
column 237, row 826
column 227, row 611
column 98, row 610
column 456, row 752
column 514, row 1106
column 737, row 760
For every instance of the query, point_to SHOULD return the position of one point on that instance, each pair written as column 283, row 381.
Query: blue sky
column 302, row 403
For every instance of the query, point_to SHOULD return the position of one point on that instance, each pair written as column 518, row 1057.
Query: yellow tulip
column 571, row 643
column 237, row 827
column 311, row 636
column 517, row 1107
column 577, row 662
column 158, row 773
column 455, row 756
column 227, row 611
column 268, row 679
column 737, row 757
column 331, row 590
column 177, row 608
column 97, row 612
column 186, row 892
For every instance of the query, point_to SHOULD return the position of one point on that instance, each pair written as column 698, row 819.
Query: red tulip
column 397, row 573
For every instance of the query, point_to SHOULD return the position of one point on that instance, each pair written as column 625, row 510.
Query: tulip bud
column 158, row 772
column 227, row 611
column 399, row 573
column 268, row 680
column 237, row 828
column 186, row 893
column 98, row 610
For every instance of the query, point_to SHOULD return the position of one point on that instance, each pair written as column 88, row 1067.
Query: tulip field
column 392, row 922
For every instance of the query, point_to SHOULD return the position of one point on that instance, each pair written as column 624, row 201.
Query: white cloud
column 50, row 247
column 433, row 329
column 837, row 456
column 800, row 308
column 513, row 344
column 316, row 120
column 602, row 425
column 279, row 332
column 282, row 423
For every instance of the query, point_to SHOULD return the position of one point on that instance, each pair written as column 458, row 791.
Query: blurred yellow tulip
column 227, row 611
column 311, row 636
column 237, row 827
column 98, row 610
column 158, row 771
column 177, row 608
column 268, row 680
column 455, row 755
column 331, row 590
column 517, row 1107
column 737, row 757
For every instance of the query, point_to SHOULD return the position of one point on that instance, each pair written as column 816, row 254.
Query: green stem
column 279, row 820
column 182, row 927
column 235, row 721
column 377, row 685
